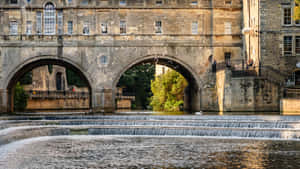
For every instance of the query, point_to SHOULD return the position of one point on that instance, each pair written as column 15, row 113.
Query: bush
column 168, row 92
column 20, row 98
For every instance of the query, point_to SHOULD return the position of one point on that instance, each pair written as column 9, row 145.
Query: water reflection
column 152, row 152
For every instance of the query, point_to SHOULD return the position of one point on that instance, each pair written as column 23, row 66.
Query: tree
column 168, row 91
column 137, row 81
column 20, row 98
column 297, row 10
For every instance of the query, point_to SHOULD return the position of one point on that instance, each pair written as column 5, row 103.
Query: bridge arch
column 192, row 103
column 34, row 62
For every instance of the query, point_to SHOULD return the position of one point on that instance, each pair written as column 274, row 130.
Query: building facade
column 236, row 54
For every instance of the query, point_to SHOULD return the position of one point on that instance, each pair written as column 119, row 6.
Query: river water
column 83, row 142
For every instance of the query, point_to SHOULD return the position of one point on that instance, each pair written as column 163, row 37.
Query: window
column 227, row 26
column 287, row 45
column 287, row 16
column 70, row 27
column 49, row 19
column 86, row 29
column 104, row 28
column 28, row 1
column 84, row 2
column 28, row 28
column 159, row 2
column 60, row 23
column 69, row 1
column 13, row 1
column 38, row 22
column 194, row 2
column 103, row 60
column 195, row 27
column 59, row 81
column 158, row 27
column 122, row 27
column 297, row 45
column 227, row 59
column 228, row 2
column 122, row 2
column 13, row 28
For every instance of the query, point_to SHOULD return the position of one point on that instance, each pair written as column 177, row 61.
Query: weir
column 267, row 127
column 158, row 141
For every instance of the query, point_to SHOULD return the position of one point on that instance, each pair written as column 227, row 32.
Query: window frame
column 86, row 25
column 123, row 27
column 13, row 3
column 158, row 27
column 122, row 2
column 291, row 45
column 70, row 25
column 283, row 15
column 49, row 19
column 39, row 22
column 13, row 27
column 195, row 24
column 28, row 27
column 105, row 26
column 295, row 39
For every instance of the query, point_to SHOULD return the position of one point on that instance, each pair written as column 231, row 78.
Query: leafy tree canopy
column 168, row 91
column 137, row 81
column 297, row 10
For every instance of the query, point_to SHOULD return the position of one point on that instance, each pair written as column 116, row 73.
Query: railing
column 125, row 96
column 292, row 92
column 57, row 95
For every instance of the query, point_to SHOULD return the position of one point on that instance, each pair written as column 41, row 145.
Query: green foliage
column 137, row 81
column 20, row 98
column 297, row 10
column 74, row 79
column 50, row 69
column 26, row 79
column 168, row 91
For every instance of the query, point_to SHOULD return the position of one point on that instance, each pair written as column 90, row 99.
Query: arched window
column 49, row 19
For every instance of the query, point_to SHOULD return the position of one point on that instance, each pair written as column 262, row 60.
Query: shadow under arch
column 192, row 103
column 28, row 65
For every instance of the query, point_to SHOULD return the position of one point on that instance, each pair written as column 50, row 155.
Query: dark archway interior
column 190, row 92
column 29, row 67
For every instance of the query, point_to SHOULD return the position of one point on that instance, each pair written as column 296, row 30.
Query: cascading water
column 148, row 141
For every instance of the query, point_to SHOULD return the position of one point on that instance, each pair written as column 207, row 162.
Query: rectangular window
column 84, row 2
column 297, row 45
column 104, row 28
column 159, row 2
column 227, row 59
column 195, row 27
column 122, row 2
column 287, row 45
column 60, row 23
column 69, row 1
column 86, row 29
column 38, row 22
column 13, row 28
column 28, row 28
column 194, row 2
column 228, row 2
column 158, row 27
column 287, row 16
column 13, row 1
column 70, row 27
column 227, row 27
column 122, row 27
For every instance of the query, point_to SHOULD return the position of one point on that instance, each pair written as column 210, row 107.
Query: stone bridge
column 101, row 74
column 211, row 43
